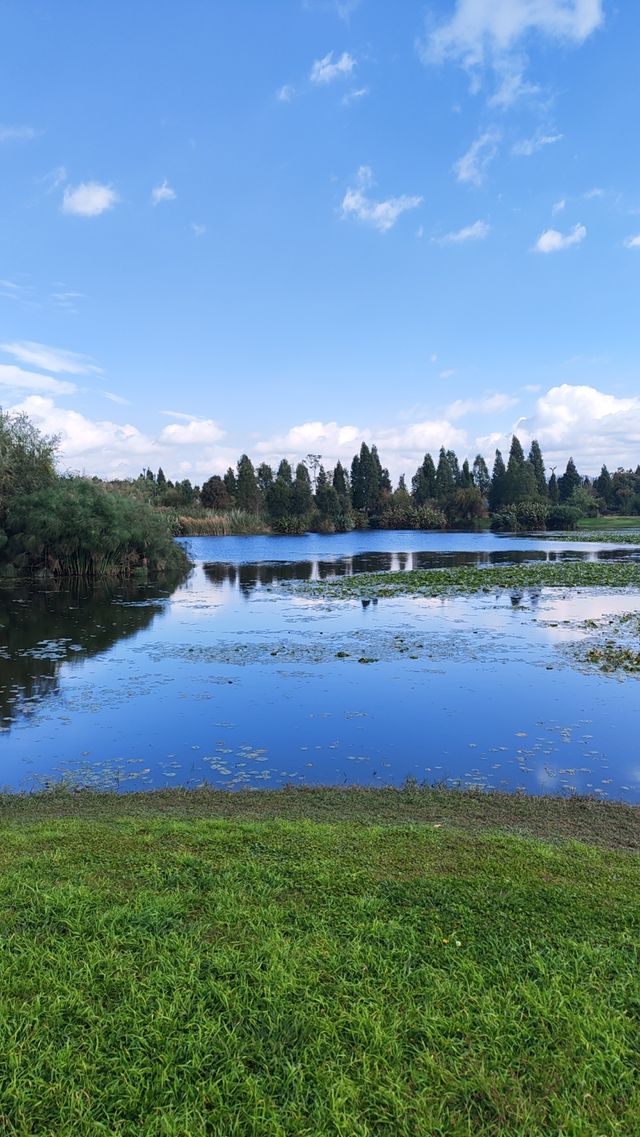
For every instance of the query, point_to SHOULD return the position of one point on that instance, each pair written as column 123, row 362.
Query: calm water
column 235, row 679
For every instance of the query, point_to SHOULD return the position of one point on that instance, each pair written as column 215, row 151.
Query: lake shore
column 609, row 824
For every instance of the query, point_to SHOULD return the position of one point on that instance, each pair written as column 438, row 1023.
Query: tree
column 247, row 495
column 445, row 474
column 498, row 484
column 161, row 481
column 214, row 493
column 604, row 487
column 519, row 484
column 264, row 478
column 301, row 496
column 569, row 481
column 552, row 488
column 312, row 462
column 466, row 479
column 537, row 465
column 341, row 482
column 327, row 499
column 279, row 493
column 481, row 476
column 423, row 482
column 231, row 484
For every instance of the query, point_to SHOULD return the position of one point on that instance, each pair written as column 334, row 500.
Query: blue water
column 236, row 679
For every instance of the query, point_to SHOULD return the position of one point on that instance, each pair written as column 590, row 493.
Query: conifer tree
column 569, row 481
column 481, row 476
column 423, row 483
column 536, row 462
column 497, row 487
column 247, row 495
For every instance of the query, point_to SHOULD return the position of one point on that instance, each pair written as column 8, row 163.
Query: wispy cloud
column 163, row 192
column 51, row 358
column 119, row 399
column 473, row 165
column 285, row 93
column 89, row 199
column 491, row 35
column 326, row 71
column 491, row 404
column 558, row 206
column 632, row 242
column 528, row 146
column 198, row 230
column 597, row 191
column 17, row 133
column 476, row 232
column 354, row 96
column 381, row 215
column 66, row 300
column 552, row 241
column 17, row 379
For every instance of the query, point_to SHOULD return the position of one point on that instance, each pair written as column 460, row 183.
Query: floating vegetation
column 468, row 578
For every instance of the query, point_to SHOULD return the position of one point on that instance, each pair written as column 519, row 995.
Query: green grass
column 183, row 978
column 468, row 579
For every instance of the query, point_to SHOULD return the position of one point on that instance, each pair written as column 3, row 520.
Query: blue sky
column 281, row 226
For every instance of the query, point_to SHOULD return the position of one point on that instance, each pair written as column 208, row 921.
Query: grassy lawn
column 169, row 971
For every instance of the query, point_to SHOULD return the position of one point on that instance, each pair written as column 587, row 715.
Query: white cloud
column 593, row 193
column 528, row 146
column 51, row 358
column 197, row 432
column 17, row 133
column 589, row 424
column 198, row 230
column 354, row 96
column 448, row 373
column 326, row 71
column 632, row 242
column 552, row 241
column 491, row 35
column 472, row 166
column 476, row 232
column 558, row 206
column 381, row 215
column 17, row 379
column 163, row 192
column 99, row 443
column 401, row 448
column 285, row 93
column 491, row 404
column 89, row 199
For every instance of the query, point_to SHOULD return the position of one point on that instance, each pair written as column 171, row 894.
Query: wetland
column 463, row 659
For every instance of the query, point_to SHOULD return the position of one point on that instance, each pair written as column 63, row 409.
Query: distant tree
column 231, row 484
column 247, row 493
column 313, row 462
column 569, row 481
column 264, row 478
column 301, row 493
column 423, row 483
column 552, row 488
column 498, row 484
column 519, row 484
column 214, row 493
column 604, row 487
column 279, row 493
column 481, row 476
column 340, row 481
column 536, row 462
column 466, row 479
column 161, row 481
column 327, row 500
column 446, row 475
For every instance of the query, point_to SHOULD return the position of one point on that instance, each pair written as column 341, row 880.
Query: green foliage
column 74, row 527
column 214, row 494
column 569, row 481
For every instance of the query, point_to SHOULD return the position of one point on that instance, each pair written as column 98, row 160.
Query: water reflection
column 247, row 576
column 43, row 627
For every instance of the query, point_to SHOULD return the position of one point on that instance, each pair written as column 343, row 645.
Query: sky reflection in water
column 232, row 680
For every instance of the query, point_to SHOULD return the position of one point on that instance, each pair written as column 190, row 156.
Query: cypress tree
column 604, row 486
column 519, row 481
column 465, row 475
column 231, row 484
column 481, row 476
column 498, row 486
column 340, row 481
column 569, row 481
column 247, row 495
column 301, row 496
column 445, row 480
column 552, row 488
column 537, row 465
column 423, row 482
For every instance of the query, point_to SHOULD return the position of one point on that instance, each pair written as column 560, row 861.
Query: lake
column 241, row 677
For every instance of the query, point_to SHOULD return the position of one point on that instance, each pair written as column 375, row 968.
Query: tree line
column 444, row 492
